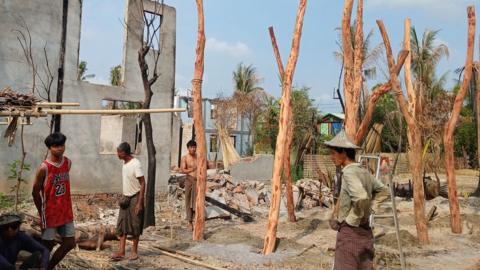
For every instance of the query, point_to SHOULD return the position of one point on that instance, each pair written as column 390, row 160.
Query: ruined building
column 92, row 139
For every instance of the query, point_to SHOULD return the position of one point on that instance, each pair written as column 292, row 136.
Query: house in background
column 331, row 124
column 183, row 130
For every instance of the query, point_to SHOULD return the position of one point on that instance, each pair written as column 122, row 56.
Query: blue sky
column 236, row 31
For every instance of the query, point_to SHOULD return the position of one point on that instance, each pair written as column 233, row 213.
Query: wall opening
column 101, row 41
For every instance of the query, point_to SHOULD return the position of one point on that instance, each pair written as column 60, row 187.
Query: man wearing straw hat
column 12, row 241
column 354, row 247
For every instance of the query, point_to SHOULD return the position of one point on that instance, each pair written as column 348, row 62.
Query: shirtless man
column 188, row 166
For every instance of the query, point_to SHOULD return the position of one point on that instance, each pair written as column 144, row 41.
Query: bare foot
column 117, row 256
column 133, row 257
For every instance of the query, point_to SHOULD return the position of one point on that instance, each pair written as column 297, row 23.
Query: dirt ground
column 306, row 244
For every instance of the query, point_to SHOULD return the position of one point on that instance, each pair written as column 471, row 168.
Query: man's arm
column 30, row 245
column 37, row 188
column 140, row 201
column 379, row 193
column 4, row 264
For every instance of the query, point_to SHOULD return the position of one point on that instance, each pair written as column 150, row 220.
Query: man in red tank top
column 51, row 194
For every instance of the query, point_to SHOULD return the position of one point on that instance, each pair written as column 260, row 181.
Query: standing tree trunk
column 21, row 167
column 61, row 67
column 413, row 134
column 271, row 235
column 477, row 107
column 199, row 226
column 451, row 124
column 287, row 170
column 151, row 152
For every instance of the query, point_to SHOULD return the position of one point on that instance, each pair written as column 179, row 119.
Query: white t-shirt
column 130, row 172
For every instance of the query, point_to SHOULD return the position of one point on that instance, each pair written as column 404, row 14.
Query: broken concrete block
column 252, row 196
column 259, row 168
column 241, row 201
column 217, row 195
column 238, row 189
column 213, row 211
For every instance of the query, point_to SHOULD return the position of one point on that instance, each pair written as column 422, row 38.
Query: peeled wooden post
column 374, row 97
column 448, row 141
column 351, row 115
column 199, row 224
column 271, row 235
column 287, row 170
column 414, row 140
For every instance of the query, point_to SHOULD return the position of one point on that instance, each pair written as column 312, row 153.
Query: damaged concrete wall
column 91, row 172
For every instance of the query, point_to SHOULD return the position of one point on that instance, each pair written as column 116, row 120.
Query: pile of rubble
column 244, row 199
column 310, row 193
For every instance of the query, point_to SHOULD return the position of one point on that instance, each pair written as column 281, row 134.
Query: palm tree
column 246, row 79
column 370, row 55
column 82, row 69
column 249, row 98
column 426, row 54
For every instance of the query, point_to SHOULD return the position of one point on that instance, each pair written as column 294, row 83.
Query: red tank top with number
column 56, row 203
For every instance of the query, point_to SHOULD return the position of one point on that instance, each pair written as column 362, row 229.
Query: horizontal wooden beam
column 55, row 104
column 45, row 112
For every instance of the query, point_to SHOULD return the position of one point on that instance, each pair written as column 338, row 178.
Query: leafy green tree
column 82, row 70
column 116, row 75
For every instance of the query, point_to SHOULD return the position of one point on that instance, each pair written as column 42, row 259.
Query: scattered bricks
column 252, row 196
column 238, row 189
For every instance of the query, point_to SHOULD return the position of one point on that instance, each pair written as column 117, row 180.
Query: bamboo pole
column 199, row 225
column 287, row 170
column 45, row 112
column 271, row 235
column 55, row 104
column 449, row 130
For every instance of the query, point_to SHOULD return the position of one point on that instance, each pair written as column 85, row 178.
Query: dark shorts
column 128, row 223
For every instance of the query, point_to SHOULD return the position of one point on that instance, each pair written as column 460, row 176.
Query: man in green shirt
column 354, row 247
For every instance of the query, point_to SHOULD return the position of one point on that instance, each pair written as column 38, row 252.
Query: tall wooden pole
column 351, row 114
column 287, row 170
column 199, row 225
column 448, row 141
column 414, row 139
column 271, row 235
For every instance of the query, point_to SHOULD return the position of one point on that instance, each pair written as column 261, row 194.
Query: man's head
column 192, row 147
column 9, row 225
column 342, row 156
column 55, row 142
column 124, row 150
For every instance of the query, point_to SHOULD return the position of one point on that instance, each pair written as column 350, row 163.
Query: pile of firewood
column 10, row 99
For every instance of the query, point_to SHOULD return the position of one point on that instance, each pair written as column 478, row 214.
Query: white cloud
column 237, row 49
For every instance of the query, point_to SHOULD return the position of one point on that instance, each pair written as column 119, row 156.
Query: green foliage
column 304, row 112
column 384, row 113
column 5, row 201
column 82, row 70
column 297, row 173
column 14, row 169
column 466, row 140
column 116, row 75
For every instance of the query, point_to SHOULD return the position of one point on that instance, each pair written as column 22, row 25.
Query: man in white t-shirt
column 130, row 218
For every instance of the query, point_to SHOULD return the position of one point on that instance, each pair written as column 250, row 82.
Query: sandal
column 117, row 257
column 131, row 258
